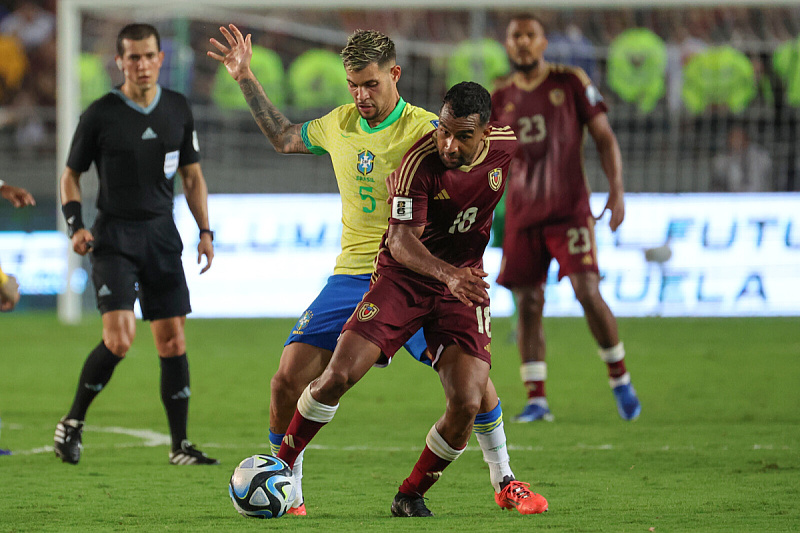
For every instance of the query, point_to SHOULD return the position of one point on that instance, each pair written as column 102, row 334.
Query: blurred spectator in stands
column 637, row 62
column 93, row 77
column 743, row 167
column 482, row 61
column 266, row 64
column 720, row 78
column 690, row 36
column 12, row 68
column 177, row 69
column 786, row 62
column 569, row 46
column 31, row 23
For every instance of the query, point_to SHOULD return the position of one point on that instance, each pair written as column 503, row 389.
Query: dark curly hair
column 468, row 97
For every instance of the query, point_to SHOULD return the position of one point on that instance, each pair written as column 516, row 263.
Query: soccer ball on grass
column 262, row 486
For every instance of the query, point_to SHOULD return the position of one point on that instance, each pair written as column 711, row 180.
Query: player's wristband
column 211, row 233
column 73, row 216
column 3, row 277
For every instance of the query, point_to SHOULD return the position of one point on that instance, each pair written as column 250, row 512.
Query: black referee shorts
column 139, row 258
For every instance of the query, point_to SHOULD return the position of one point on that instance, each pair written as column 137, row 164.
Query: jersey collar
column 391, row 119
column 530, row 85
column 478, row 160
column 136, row 107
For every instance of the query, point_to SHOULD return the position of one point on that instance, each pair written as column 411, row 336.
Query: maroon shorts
column 396, row 306
column 527, row 252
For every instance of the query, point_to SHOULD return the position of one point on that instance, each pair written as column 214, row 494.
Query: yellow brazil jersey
column 362, row 158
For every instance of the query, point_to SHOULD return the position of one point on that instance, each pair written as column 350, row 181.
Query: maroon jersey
column 454, row 205
column 549, row 117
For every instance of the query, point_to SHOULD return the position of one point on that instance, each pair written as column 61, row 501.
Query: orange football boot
column 516, row 495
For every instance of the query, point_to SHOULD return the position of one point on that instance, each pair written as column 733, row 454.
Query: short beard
column 525, row 69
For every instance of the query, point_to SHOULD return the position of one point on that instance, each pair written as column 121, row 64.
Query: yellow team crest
column 303, row 322
column 496, row 179
column 557, row 96
column 366, row 311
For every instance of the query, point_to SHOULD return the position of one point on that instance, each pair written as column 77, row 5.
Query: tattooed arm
column 283, row 135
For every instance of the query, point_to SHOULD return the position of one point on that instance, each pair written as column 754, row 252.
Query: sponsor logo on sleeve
column 593, row 95
column 171, row 163
column 402, row 208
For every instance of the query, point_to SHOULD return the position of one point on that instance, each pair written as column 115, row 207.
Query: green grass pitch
column 717, row 447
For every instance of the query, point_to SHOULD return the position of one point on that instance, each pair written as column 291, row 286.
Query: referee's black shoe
column 67, row 440
column 187, row 454
column 411, row 506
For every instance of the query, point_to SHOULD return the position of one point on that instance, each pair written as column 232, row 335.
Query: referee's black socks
column 175, row 394
column 96, row 373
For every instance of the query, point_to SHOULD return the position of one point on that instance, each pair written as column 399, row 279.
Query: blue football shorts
column 321, row 324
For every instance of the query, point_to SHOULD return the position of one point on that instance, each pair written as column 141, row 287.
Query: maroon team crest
column 496, row 179
column 366, row 311
column 557, row 97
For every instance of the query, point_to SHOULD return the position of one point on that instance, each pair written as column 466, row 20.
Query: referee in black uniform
column 139, row 136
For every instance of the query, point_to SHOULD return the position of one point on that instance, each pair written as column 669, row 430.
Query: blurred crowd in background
column 701, row 99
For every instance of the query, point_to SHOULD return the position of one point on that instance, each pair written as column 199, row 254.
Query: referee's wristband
column 210, row 233
column 73, row 216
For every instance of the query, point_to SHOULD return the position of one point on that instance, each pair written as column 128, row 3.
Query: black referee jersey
column 137, row 151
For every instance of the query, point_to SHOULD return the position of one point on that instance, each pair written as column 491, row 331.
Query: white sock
column 313, row 410
column 495, row 454
column 533, row 371
column 297, row 473
column 436, row 443
column 612, row 355
column 298, row 479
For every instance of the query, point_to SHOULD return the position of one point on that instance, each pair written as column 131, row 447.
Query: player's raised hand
column 236, row 56
column 468, row 286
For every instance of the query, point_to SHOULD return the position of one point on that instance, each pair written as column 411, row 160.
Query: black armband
column 210, row 233
column 73, row 216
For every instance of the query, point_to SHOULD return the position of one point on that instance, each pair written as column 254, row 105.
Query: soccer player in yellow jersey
column 366, row 141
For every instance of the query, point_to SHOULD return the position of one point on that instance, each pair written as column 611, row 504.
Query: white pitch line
column 149, row 437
